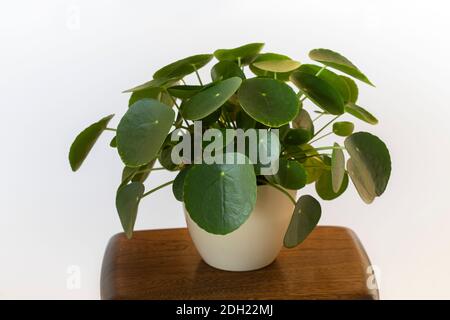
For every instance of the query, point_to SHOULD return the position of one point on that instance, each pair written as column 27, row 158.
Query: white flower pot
column 256, row 243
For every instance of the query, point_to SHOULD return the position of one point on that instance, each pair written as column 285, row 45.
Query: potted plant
column 238, row 213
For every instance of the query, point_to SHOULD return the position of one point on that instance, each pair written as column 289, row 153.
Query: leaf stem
column 282, row 190
column 157, row 188
column 110, row 129
column 198, row 76
column 326, row 125
column 325, row 135
column 320, row 71
column 150, row 170
column 329, row 148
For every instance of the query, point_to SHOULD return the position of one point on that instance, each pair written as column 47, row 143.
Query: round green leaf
column 244, row 54
column 277, row 65
column 330, row 77
column 360, row 113
column 343, row 128
column 220, row 197
column 297, row 136
column 139, row 174
column 183, row 67
column 314, row 167
column 165, row 158
column 306, row 215
column 226, row 69
column 337, row 168
column 338, row 62
column 319, row 91
column 352, row 87
column 370, row 165
column 284, row 76
column 271, row 102
column 324, row 186
column 84, row 142
column 178, row 184
column 142, row 131
column 209, row 100
column 127, row 202
column 184, row 91
column 291, row 174
column 244, row 121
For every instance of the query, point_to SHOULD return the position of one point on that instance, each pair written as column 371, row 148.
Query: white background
column 58, row 76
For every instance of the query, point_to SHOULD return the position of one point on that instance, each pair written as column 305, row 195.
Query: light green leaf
column 277, row 66
column 343, row 128
column 370, row 165
column 324, row 186
column 319, row 92
column 244, row 54
column 306, row 215
column 352, row 87
column 284, row 76
column 185, row 91
column 360, row 113
column 142, row 131
column 220, row 197
column 84, row 142
column 268, row 101
column 337, row 168
column 338, row 62
column 183, row 67
column 303, row 121
column 152, row 86
column 209, row 100
column 127, row 203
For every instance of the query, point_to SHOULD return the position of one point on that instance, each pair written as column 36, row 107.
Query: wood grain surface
column 164, row 264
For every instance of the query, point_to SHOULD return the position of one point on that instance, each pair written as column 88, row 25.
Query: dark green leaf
column 271, row 102
column 84, row 142
column 297, row 136
column 244, row 54
column 220, row 197
column 165, row 158
column 226, row 69
column 343, row 128
column 291, row 175
column 337, row 168
column 178, row 183
column 127, row 202
column 142, row 131
column 319, row 91
column 369, row 165
column 244, row 121
column 183, row 67
column 306, row 215
column 139, row 174
column 360, row 113
column 209, row 100
column 338, row 62
column 330, row 77
column 184, row 91
column 113, row 142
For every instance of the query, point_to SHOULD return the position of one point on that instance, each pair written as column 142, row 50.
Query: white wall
column 57, row 77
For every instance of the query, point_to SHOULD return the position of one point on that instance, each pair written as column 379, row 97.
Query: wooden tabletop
column 164, row 264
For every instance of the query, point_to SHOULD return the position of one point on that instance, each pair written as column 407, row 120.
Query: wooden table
column 164, row 264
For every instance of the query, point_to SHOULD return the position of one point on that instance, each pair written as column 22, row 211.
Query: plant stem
column 320, row 71
column 149, row 170
column 239, row 62
column 110, row 129
column 282, row 190
column 326, row 125
column 198, row 76
column 176, row 105
column 182, row 80
column 318, row 117
column 157, row 188
column 329, row 148
column 325, row 135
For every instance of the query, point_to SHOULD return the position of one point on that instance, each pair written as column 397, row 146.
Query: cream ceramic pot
column 256, row 243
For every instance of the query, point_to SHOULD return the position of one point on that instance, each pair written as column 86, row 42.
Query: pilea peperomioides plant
column 248, row 90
